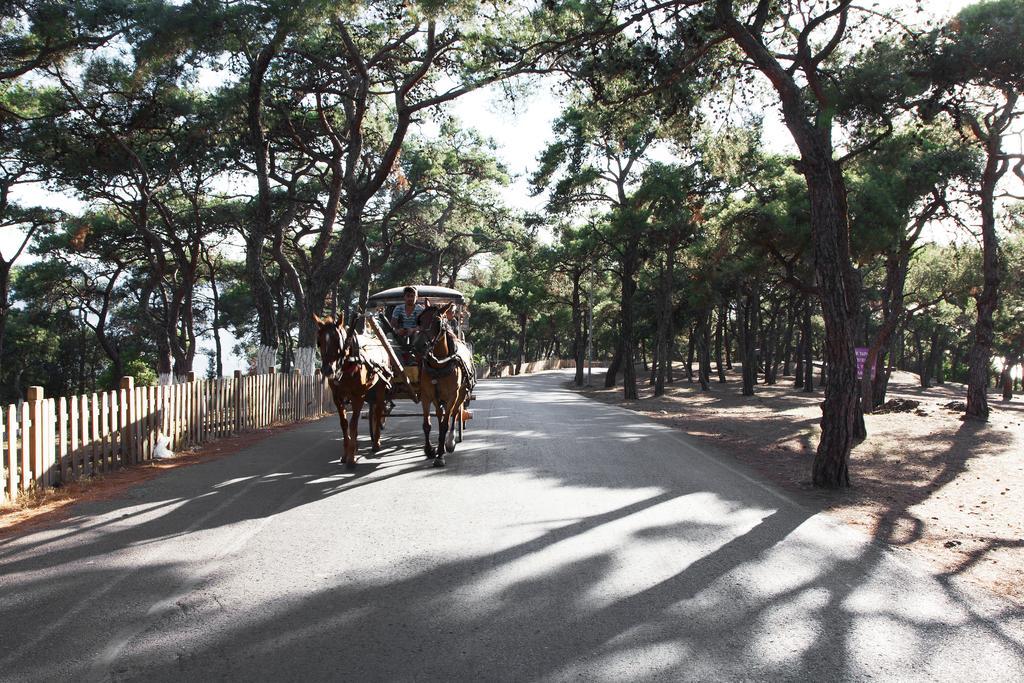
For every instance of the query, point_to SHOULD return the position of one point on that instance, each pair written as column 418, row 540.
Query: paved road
column 566, row 540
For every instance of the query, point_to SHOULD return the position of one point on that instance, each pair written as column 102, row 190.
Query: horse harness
column 349, row 365
column 437, row 368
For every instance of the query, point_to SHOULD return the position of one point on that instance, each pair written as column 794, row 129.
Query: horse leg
column 428, row 448
column 451, row 419
column 455, row 413
column 352, row 447
column 376, row 418
column 454, row 410
column 344, row 428
column 442, row 428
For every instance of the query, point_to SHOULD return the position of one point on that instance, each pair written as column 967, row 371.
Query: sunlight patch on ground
column 893, row 640
column 341, row 476
column 785, row 631
column 624, row 660
column 662, row 540
column 236, row 480
column 925, row 608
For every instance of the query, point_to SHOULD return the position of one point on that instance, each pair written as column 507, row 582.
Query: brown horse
column 446, row 379
column 356, row 372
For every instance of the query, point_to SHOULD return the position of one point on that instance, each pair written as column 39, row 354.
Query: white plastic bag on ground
column 163, row 447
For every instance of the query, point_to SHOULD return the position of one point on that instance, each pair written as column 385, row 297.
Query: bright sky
column 520, row 131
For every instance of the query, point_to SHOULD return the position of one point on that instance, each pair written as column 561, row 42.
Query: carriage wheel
column 460, row 424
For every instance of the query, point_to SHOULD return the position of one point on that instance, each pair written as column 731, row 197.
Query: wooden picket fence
column 45, row 442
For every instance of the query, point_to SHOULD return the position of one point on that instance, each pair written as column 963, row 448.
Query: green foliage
column 891, row 183
column 981, row 45
column 1009, row 317
column 141, row 369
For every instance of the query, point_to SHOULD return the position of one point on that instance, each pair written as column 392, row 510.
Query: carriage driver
column 403, row 321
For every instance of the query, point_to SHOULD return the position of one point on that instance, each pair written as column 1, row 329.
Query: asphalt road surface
column 566, row 540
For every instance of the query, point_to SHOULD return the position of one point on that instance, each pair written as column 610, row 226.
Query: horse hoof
column 429, row 453
column 439, row 461
column 350, row 466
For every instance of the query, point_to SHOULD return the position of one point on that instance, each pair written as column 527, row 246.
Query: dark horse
column 356, row 371
column 446, row 379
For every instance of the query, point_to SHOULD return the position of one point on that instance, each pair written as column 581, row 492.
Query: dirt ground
column 946, row 490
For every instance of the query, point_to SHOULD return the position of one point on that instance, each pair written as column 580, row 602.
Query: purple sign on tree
column 862, row 356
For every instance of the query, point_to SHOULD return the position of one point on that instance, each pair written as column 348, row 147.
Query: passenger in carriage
column 403, row 321
column 457, row 316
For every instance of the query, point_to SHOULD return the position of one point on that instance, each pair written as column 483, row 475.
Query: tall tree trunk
column 830, row 233
column 770, row 342
column 934, row 366
column 670, row 323
column 5, row 306
column 808, row 348
column 521, row 344
column 882, row 369
column 787, row 342
column 256, row 234
column 839, row 303
column 664, row 320
column 748, row 339
column 798, row 366
column 614, row 366
column 719, row 331
column 979, row 358
column 631, row 262
column 899, row 349
column 922, row 366
column 704, row 350
column 215, row 319
column 656, row 370
column 579, row 349
column 726, row 329
column 690, row 348
column 164, row 363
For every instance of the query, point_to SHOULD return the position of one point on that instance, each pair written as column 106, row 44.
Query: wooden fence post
column 237, row 402
column 11, row 446
column 318, row 391
column 129, row 415
column 35, row 436
column 273, row 396
column 52, row 460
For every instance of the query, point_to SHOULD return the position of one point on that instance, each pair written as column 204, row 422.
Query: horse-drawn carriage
column 375, row 367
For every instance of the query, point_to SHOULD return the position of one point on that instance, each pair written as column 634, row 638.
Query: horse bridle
column 345, row 346
column 443, row 328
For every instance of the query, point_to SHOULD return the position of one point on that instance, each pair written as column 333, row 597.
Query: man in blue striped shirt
column 403, row 320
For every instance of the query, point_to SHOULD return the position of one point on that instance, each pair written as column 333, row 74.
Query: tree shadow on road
column 720, row 616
